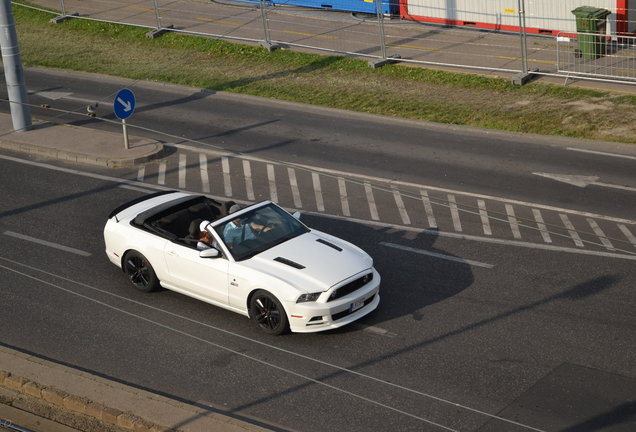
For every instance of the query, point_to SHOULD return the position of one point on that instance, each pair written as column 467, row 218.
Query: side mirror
column 209, row 253
column 296, row 215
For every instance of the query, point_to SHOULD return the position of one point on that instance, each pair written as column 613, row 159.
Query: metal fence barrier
column 596, row 55
column 382, row 40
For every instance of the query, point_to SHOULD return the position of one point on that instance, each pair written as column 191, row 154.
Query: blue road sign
column 124, row 104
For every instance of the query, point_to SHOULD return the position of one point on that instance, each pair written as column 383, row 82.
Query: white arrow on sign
column 126, row 105
column 582, row 181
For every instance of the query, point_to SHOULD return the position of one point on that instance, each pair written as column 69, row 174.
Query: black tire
column 140, row 273
column 268, row 313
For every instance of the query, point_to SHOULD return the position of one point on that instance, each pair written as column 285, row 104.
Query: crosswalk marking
column 628, row 234
column 182, row 171
column 514, row 226
column 541, row 225
column 597, row 230
column 404, row 208
column 294, row 186
column 454, row 213
column 371, row 200
column 432, row 223
column 575, row 236
column 227, row 179
column 400, row 205
column 162, row 173
column 205, row 180
column 318, row 191
column 344, row 201
column 272, row 183
column 484, row 217
column 247, row 172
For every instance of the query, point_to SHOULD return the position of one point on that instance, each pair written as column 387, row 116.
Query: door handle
column 173, row 253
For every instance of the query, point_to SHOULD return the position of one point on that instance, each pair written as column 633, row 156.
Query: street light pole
column 16, row 87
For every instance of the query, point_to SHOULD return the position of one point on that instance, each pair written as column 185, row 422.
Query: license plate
column 356, row 305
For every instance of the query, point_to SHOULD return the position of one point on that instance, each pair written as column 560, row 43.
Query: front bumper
column 314, row 317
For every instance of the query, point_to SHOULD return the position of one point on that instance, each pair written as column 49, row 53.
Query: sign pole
column 123, row 123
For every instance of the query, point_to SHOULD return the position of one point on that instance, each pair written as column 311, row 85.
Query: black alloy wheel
column 269, row 313
column 140, row 273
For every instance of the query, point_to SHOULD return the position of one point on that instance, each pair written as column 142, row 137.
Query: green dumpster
column 593, row 21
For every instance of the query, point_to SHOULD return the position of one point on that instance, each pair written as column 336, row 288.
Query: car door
column 204, row 278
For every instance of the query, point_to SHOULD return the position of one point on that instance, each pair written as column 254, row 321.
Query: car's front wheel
column 140, row 273
column 268, row 313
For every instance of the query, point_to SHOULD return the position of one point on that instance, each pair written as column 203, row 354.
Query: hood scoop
column 289, row 263
column 331, row 245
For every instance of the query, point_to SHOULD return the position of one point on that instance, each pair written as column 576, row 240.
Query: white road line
column 141, row 173
column 227, row 179
column 294, row 186
column 400, row 205
column 601, row 235
column 162, row 173
column 205, row 179
column 514, row 226
column 437, row 255
column 138, row 189
column 454, row 213
column 182, row 170
column 344, row 201
column 483, row 214
column 601, row 153
column 575, row 236
column 371, row 200
column 318, row 191
column 247, row 171
column 272, row 183
column 541, row 225
column 628, row 234
column 45, row 243
column 429, row 209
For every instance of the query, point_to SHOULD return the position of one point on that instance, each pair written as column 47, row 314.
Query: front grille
column 351, row 287
column 344, row 313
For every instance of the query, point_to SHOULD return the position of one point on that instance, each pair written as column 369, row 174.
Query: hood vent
column 289, row 263
column 331, row 245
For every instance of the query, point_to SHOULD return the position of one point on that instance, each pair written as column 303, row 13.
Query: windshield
column 258, row 230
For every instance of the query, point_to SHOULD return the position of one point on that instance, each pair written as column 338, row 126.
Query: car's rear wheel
column 140, row 273
column 268, row 313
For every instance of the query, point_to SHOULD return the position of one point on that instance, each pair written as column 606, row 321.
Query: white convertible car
column 262, row 262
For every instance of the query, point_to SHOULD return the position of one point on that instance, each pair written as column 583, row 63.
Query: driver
column 239, row 230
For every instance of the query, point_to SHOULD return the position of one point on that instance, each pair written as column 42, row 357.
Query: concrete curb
column 82, row 405
column 158, row 152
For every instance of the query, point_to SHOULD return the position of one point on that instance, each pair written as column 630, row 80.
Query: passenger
column 205, row 238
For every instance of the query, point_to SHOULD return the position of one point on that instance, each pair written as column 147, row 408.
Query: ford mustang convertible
column 259, row 261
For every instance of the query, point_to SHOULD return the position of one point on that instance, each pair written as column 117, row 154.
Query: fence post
column 384, row 60
column 266, row 42
column 64, row 16
column 524, row 76
column 159, row 30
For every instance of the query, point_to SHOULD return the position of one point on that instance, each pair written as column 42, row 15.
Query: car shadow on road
column 415, row 274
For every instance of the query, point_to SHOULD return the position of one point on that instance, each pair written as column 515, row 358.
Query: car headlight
column 312, row 297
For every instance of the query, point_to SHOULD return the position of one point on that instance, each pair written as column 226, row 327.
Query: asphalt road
column 468, row 331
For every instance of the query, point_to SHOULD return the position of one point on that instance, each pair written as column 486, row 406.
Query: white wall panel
column 540, row 14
